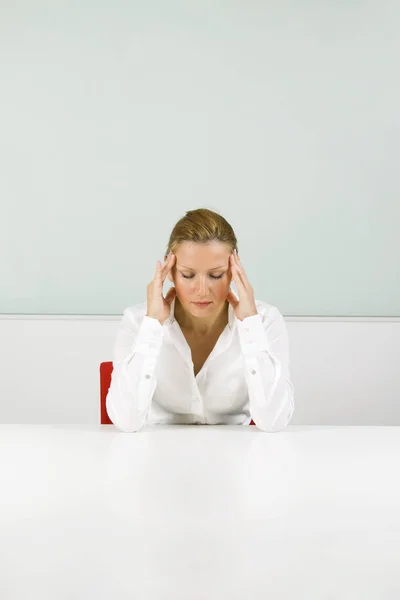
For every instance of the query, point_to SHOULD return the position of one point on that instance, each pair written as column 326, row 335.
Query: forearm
column 266, row 357
column 133, row 380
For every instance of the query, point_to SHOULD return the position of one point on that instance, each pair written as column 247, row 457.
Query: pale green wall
column 114, row 121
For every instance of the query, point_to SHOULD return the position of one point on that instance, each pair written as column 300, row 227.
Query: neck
column 199, row 325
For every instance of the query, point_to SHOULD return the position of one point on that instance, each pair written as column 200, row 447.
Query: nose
column 202, row 289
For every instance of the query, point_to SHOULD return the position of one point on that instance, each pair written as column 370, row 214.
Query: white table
column 199, row 513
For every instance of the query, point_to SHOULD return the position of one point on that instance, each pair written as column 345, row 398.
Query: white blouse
column 245, row 377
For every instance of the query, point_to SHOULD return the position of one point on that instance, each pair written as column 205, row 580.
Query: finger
column 168, row 264
column 241, row 269
column 232, row 299
column 157, row 276
column 241, row 288
column 160, row 268
column 170, row 295
column 168, row 258
column 242, row 272
column 236, row 274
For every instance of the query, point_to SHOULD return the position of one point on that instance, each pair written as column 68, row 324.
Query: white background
column 344, row 372
column 116, row 118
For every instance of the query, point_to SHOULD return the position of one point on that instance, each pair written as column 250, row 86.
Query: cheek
column 182, row 286
column 221, row 291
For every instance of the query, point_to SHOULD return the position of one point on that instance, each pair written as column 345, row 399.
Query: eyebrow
column 213, row 269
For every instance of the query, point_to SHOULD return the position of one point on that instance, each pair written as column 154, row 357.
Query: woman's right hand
column 159, row 307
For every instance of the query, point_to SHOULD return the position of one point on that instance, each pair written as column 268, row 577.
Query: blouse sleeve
column 133, row 383
column 265, row 347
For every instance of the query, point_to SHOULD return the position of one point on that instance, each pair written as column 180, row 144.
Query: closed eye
column 191, row 276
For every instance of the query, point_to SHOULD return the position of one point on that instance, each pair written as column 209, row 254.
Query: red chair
column 106, row 369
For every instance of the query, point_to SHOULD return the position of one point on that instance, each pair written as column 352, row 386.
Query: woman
column 201, row 354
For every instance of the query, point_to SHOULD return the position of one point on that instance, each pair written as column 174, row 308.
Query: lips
column 202, row 303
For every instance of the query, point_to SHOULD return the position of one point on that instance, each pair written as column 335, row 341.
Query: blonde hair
column 202, row 226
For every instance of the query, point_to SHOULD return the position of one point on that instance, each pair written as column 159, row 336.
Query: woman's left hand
column 246, row 305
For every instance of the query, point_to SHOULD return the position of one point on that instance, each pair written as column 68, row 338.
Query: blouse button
column 253, row 372
column 147, row 376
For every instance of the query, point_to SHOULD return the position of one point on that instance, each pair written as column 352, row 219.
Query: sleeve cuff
column 150, row 337
column 252, row 335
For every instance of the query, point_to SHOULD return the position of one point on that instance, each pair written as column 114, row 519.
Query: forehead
column 196, row 255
